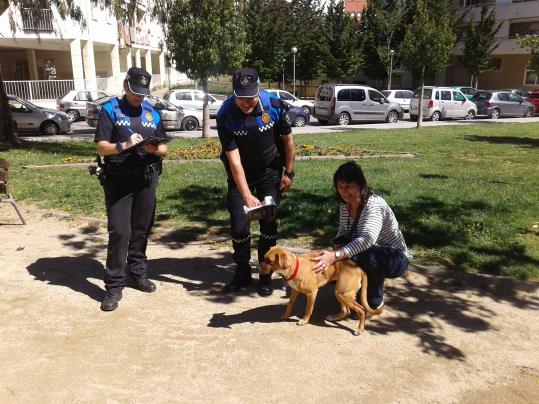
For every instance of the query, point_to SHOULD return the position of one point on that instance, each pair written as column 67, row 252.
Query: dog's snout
column 265, row 266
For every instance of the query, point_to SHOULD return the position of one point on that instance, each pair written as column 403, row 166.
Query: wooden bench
column 4, row 189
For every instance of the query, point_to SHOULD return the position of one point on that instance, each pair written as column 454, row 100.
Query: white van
column 441, row 103
column 346, row 103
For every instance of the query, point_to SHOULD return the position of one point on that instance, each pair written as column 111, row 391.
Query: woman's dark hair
column 351, row 172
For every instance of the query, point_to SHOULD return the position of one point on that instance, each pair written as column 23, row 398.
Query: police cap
column 245, row 83
column 138, row 81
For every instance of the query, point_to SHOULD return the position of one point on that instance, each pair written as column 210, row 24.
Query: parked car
column 518, row 91
column 292, row 100
column 534, row 99
column 31, row 118
column 402, row 97
column 193, row 99
column 298, row 116
column 347, row 103
column 173, row 117
column 468, row 92
column 502, row 103
column 74, row 102
column 441, row 103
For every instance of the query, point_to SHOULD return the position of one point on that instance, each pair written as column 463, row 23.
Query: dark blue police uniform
column 257, row 137
column 130, row 183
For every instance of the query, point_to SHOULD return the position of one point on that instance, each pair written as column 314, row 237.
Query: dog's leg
column 311, row 297
column 344, row 309
column 290, row 306
column 349, row 299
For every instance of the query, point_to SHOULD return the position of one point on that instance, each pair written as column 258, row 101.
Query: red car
column 534, row 99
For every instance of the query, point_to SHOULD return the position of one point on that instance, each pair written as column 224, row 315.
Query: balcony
column 32, row 22
column 139, row 37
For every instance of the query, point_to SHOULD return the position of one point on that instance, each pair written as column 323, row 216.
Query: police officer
column 257, row 143
column 130, row 180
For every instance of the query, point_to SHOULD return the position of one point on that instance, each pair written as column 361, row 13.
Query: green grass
column 468, row 200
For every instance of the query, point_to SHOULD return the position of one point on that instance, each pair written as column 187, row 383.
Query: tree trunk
column 8, row 136
column 205, row 110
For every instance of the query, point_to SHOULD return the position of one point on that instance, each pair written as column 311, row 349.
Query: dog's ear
column 283, row 259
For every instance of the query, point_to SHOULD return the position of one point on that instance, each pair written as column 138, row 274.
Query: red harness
column 296, row 269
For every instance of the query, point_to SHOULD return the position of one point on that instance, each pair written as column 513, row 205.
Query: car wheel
column 495, row 114
column 470, row 115
column 343, row 119
column 49, row 128
column 73, row 115
column 392, row 117
column 299, row 121
column 190, row 123
column 436, row 116
column 528, row 113
column 307, row 109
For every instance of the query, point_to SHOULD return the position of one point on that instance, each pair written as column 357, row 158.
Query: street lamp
column 284, row 61
column 294, row 51
column 391, row 54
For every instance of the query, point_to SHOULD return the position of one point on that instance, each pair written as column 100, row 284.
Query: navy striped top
column 377, row 225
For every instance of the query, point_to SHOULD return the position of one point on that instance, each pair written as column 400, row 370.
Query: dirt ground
column 444, row 337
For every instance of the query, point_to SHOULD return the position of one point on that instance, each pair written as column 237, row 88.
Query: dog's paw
column 302, row 322
column 357, row 333
column 336, row 317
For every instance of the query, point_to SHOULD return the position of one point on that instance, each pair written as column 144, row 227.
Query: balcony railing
column 139, row 37
column 33, row 22
column 39, row 89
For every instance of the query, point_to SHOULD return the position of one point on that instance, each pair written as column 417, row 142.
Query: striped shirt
column 377, row 225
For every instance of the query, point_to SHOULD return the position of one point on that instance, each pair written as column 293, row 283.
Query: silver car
column 173, row 117
column 74, row 102
column 31, row 118
column 495, row 104
column 193, row 99
column 346, row 103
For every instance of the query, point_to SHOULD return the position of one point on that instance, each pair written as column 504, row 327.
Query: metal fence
column 39, row 89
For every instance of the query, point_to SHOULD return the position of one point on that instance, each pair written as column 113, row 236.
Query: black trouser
column 380, row 263
column 130, row 202
column 263, row 183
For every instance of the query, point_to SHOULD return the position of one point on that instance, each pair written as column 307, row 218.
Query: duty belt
column 135, row 170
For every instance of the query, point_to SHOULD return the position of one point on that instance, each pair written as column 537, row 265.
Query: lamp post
column 294, row 51
column 391, row 54
column 284, row 61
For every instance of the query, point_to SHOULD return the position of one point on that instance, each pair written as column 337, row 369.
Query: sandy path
column 442, row 338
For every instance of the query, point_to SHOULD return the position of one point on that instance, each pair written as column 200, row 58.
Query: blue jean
column 380, row 263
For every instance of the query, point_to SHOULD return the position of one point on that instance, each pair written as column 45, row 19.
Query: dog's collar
column 296, row 269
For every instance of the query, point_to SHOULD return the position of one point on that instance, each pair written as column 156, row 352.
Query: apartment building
column 355, row 7
column 43, row 58
column 511, row 61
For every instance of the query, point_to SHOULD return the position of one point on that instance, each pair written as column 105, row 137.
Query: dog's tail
column 364, row 302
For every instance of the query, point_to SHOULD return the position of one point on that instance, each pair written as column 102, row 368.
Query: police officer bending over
column 130, row 180
column 257, row 142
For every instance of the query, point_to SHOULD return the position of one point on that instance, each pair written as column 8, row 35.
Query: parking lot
column 80, row 130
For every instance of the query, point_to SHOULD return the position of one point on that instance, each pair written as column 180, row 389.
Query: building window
column 496, row 64
column 474, row 3
column 530, row 77
column 524, row 28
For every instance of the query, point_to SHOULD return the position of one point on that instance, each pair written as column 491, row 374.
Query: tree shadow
column 527, row 142
column 73, row 148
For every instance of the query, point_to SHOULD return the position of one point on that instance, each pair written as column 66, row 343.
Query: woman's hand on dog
column 323, row 260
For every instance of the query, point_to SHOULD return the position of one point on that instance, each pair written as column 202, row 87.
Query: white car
column 73, row 102
column 403, row 97
column 294, row 101
column 441, row 103
column 193, row 99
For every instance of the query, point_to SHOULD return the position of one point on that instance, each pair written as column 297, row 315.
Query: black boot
column 241, row 280
column 111, row 299
column 143, row 284
column 265, row 288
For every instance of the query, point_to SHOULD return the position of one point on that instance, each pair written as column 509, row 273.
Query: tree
column 428, row 43
column 66, row 9
column 205, row 38
column 479, row 43
column 381, row 27
column 344, row 58
column 268, row 33
column 532, row 42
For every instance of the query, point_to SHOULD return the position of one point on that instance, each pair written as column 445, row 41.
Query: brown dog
column 298, row 273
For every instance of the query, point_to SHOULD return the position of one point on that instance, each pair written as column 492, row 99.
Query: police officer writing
column 257, row 144
column 131, row 173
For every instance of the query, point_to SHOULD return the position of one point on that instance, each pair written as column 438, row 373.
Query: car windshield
column 427, row 93
column 28, row 103
column 386, row 93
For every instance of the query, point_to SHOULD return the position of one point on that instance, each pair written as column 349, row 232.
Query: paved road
column 80, row 130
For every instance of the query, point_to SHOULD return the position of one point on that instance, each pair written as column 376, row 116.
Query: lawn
column 468, row 200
